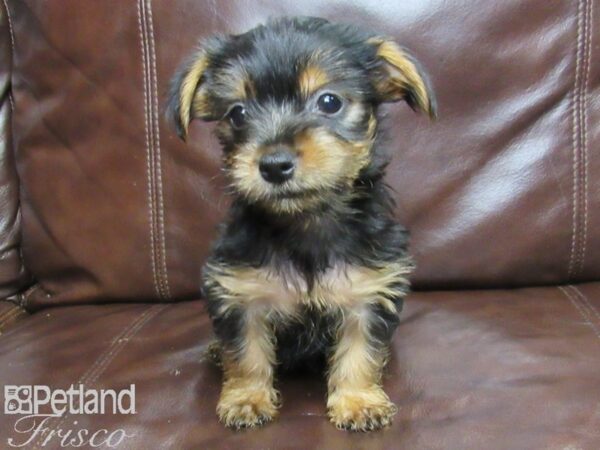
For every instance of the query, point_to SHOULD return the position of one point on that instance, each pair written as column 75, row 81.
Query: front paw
column 247, row 406
column 360, row 409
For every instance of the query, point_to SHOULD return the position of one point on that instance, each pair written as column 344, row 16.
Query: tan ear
column 187, row 98
column 400, row 77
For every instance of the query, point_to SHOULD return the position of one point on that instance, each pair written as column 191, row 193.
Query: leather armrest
column 13, row 275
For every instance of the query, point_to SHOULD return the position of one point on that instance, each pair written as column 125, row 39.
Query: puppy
column 310, row 263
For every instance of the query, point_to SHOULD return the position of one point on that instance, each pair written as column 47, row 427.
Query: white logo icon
column 17, row 399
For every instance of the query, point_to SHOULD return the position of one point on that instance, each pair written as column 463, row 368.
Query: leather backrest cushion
column 501, row 191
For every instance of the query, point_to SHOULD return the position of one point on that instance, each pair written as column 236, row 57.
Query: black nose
column 277, row 167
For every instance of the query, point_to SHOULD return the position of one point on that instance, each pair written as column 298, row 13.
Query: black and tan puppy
column 310, row 262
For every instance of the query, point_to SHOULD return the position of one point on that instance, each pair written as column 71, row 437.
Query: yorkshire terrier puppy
column 310, row 263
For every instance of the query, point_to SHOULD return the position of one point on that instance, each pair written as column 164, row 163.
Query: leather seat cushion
column 480, row 369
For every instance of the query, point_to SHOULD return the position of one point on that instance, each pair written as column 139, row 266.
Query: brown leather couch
column 106, row 218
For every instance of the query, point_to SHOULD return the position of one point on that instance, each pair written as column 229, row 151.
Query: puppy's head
column 296, row 103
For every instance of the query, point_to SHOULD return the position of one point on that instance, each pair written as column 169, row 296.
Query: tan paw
column 360, row 410
column 247, row 407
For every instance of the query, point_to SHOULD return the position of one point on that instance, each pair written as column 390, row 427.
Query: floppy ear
column 188, row 95
column 398, row 76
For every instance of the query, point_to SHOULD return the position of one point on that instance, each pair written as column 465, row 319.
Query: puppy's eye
column 329, row 103
column 237, row 116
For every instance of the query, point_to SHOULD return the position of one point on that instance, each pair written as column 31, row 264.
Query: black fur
column 366, row 236
column 359, row 229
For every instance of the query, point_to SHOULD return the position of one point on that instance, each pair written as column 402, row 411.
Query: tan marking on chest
column 340, row 287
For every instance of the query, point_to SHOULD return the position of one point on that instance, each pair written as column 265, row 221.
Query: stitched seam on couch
column 586, row 301
column 582, row 308
column 590, row 15
column 12, row 49
column 153, row 155
column 9, row 316
column 579, row 138
column 12, row 45
column 102, row 362
column 10, row 27
column 148, row 158
column 159, row 182
column 7, row 313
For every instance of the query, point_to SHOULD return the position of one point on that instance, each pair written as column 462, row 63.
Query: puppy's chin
column 295, row 194
column 305, row 202
column 293, row 202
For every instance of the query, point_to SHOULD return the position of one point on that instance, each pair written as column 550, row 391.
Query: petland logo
column 40, row 406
